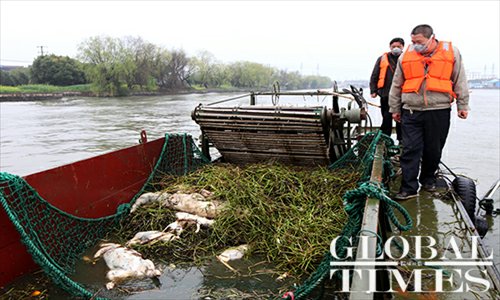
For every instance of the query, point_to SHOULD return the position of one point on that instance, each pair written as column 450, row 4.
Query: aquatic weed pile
column 288, row 214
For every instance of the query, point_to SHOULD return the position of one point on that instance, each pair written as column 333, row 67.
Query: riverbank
column 41, row 96
column 15, row 97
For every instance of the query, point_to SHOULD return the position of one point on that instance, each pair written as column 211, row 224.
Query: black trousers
column 424, row 136
column 386, row 126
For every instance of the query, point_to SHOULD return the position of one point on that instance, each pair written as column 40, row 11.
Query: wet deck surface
column 437, row 215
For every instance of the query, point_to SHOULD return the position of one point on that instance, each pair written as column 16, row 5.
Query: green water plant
column 287, row 214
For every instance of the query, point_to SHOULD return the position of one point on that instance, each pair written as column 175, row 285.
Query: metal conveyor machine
column 303, row 136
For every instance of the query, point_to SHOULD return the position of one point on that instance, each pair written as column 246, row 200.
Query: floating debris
column 125, row 263
column 88, row 260
column 283, row 276
column 233, row 253
column 184, row 220
column 206, row 193
column 150, row 237
column 194, row 203
column 147, row 199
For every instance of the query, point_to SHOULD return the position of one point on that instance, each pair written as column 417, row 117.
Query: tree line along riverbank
column 124, row 66
column 37, row 92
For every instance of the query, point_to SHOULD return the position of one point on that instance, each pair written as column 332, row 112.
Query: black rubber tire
column 466, row 190
column 481, row 226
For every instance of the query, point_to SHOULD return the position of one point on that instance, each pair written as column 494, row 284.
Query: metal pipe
column 335, row 98
column 229, row 99
column 369, row 225
column 315, row 93
column 492, row 190
column 252, row 96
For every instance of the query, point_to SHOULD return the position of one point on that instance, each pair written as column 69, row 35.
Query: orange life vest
column 384, row 64
column 439, row 69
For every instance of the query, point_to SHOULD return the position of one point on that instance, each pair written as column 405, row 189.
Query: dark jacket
column 384, row 91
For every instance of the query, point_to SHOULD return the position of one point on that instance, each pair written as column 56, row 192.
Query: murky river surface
column 38, row 135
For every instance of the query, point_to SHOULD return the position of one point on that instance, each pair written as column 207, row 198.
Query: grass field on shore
column 44, row 88
column 88, row 89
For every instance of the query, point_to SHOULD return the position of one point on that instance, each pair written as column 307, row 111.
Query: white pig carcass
column 125, row 263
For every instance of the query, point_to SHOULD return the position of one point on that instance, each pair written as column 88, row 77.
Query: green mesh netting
column 55, row 239
column 360, row 157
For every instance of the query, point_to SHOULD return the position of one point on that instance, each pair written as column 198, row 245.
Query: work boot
column 429, row 187
column 405, row 196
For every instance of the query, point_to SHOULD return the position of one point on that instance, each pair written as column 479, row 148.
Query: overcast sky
column 339, row 39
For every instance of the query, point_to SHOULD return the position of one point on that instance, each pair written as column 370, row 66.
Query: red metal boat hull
column 89, row 188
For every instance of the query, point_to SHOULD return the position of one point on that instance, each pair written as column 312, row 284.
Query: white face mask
column 396, row 51
column 419, row 48
column 422, row 48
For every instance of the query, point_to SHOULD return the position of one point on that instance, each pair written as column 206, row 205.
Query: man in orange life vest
column 380, row 84
column 429, row 76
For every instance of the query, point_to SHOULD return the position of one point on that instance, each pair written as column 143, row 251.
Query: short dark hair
column 424, row 29
column 397, row 40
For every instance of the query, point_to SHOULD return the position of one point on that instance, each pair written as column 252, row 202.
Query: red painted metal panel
column 16, row 262
column 89, row 188
column 95, row 187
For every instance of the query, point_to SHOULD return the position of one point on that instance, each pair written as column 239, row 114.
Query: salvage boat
column 91, row 188
column 99, row 190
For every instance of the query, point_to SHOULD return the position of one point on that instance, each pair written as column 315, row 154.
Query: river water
column 38, row 135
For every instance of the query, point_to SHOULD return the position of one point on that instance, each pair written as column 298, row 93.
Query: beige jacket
column 435, row 100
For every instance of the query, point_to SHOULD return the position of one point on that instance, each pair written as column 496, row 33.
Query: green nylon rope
column 374, row 190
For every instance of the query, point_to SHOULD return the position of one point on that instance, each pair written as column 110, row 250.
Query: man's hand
column 462, row 114
column 374, row 95
column 396, row 117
